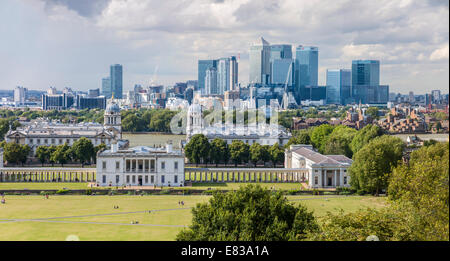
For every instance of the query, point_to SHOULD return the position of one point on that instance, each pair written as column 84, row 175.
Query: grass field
column 84, row 185
column 94, row 218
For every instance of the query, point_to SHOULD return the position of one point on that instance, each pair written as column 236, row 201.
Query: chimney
column 114, row 147
column 169, row 147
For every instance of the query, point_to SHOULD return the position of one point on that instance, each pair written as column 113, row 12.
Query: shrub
column 164, row 192
column 62, row 191
column 88, row 192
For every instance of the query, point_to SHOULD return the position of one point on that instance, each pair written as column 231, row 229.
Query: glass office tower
column 282, row 71
column 280, row 51
column 106, row 87
column 204, row 65
column 306, row 68
column 338, row 86
column 259, row 62
column 366, row 72
column 116, row 80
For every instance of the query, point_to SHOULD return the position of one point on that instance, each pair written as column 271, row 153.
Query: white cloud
column 73, row 42
column 440, row 54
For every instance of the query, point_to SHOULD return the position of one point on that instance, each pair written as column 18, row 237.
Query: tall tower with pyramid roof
column 259, row 62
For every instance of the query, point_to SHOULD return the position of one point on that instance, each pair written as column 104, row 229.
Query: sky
column 73, row 42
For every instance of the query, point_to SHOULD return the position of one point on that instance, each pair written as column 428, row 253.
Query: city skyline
column 410, row 39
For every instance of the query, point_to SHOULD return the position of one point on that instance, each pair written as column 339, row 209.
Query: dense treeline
column 418, row 209
column 155, row 120
column 82, row 151
column 200, row 150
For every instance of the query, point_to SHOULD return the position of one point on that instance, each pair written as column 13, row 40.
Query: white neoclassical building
column 324, row 171
column 46, row 133
column 262, row 133
column 140, row 166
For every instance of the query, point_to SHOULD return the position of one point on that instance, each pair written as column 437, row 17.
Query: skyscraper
column 234, row 73
column 204, row 65
column 366, row 72
column 259, row 62
column 116, row 80
column 106, row 87
column 306, row 68
column 211, row 81
column 280, row 51
column 223, row 75
column 282, row 71
column 20, row 95
column 366, row 86
column 338, row 86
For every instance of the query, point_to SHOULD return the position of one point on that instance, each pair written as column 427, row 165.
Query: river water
column 438, row 137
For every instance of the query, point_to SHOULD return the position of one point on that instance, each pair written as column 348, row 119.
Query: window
column 175, row 179
column 162, row 179
column 345, row 180
column 117, row 165
column 345, row 170
column 38, row 141
column 104, row 178
column 45, row 141
column 31, row 141
column 152, row 165
column 146, row 179
column 176, row 165
column 68, row 141
column 104, row 164
column 134, row 179
column 163, row 165
column 152, row 179
column 117, row 179
column 128, row 178
column 60, row 141
column 128, row 165
column 316, row 180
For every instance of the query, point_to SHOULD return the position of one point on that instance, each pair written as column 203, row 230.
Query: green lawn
column 84, row 185
column 172, row 217
column 43, row 185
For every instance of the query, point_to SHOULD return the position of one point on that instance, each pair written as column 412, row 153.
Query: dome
column 112, row 108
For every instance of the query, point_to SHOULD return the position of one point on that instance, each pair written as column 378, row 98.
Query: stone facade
column 325, row 171
column 140, row 166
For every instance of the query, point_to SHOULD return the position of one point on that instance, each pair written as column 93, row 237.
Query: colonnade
column 246, row 175
column 47, row 175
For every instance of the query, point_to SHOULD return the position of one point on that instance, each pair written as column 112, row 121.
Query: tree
column 218, row 151
column 42, row 154
column 61, row 154
column 100, row 147
column 385, row 224
column 338, row 142
column 421, row 189
column 300, row 137
column 276, row 154
column 83, row 150
column 15, row 153
column 319, row 136
column 133, row 123
column 256, row 152
column 373, row 112
column 364, row 136
column 249, row 214
column 51, row 149
column 4, row 127
column 372, row 165
column 239, row 152
column 265, row 155
column 197, row 149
